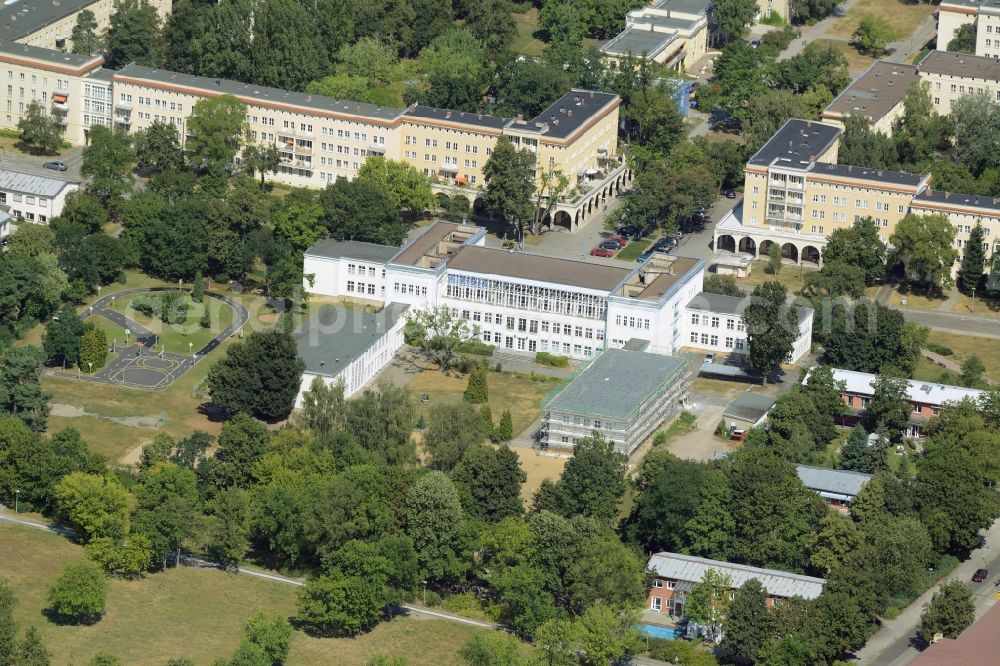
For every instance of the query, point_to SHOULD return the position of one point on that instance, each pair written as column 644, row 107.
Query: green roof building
column 624, row 395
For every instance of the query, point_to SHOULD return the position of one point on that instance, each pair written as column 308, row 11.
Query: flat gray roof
column 21, row 17
column 729, row 305
column 637, row 42
column 797, row 144
column 572, row 111
column 932, row 196
column 523, row 265
column 687, row 6
column 427, row 241
column 335, row 335
column 51, row 56
column 15, row 181
column 262, row 93
column 960, row 64
column 749, row 406
column 477, row 119
column 617, row 384
column 877, row 92
column 838, row 481
column 334, row 249
column 881, row 175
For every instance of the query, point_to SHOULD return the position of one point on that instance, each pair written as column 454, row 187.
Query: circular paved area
column 138, row 367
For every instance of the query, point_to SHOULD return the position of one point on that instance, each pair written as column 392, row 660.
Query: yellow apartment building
column 951, row 75
column 796, row 195
column 877, row 95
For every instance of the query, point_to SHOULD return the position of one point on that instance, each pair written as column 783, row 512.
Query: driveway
column 15, row 160
column 891, row 645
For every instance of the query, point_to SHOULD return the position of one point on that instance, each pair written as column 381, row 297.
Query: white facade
column 31, row 198
column 528, row 303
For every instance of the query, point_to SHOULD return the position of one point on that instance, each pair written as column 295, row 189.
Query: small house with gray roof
column 838, row 487
column 29, row 198
column 622, row 395
column 750, row 410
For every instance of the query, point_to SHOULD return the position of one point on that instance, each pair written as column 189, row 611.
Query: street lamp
column 91, row 364
column 425, row 591
column 17, row 499
column 973, row 299
column 190, row 345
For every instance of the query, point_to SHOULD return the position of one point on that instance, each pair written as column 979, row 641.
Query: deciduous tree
column 438, row 332
column 79, row 593
column 21, row 392
column 434, row 520
column 491, row 478
column 772, row 327
column 949, row 611
column 216, row 125
column 746, row 624
column 107, row 163
column 592, row 482
column 158, row 147
column 84, row 35
column 925, row 246
column 134, row 35
column 41, row 131
column 259, row 375
column 509, row 183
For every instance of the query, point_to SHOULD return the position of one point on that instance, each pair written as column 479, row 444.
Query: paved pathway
column 137, row 365
column 810, row 33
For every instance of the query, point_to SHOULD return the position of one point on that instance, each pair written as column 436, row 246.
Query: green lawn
column 964, row 346
column 528, row 40
column 790, row 276
column 193, row 613
column 902, row 17
column 856, row 62
column 177, row 337
column 632, row 251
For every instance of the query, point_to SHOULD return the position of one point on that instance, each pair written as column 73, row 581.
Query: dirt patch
column 539, row 467
column 701, row 443
column 73, row 411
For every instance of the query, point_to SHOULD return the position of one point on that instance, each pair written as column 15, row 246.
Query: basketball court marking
column 148, row 371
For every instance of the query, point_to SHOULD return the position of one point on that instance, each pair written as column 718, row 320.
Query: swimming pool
column 663, row 633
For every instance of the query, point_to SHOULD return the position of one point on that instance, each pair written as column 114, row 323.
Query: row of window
column 531, row 345
column 713, row 340
column 632, row 322
column 61, row 84
column 472, row 149
column 361, row 288
column 411, row 289
column 26, row 198
column 355, row 269
column 715, row 320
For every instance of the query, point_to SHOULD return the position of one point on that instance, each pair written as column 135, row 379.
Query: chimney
column 569, row 113
column 880, row 172
column 447, row 114
column 556, row 122
column 520, row 118
column 947, row 195
column 562, row 110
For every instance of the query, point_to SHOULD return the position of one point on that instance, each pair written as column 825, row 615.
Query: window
column 350, row 285
column 656, row 604
column 671, row 585
column 729, row 343
column 715, row 322
column 739, row 343
column 694, row 319
column 657, row 583
column 694, row 338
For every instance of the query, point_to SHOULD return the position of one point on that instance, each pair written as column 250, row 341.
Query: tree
column 592, row 482
column 94, row 505
column 362, row 211
column 608, row 636
column 722, row 284
column 453, row 428
column 21, row 392
column 407, row 188
column 84, row 35
column 93, row 349
column 158, row 148
column 494, row 648
column 339, row 605
column 31, row 651
column 970, row 275
column 492, row 23
column 889, row 408
column 41, row 132
column 491, row 479
column 79, row 593
column 864, row 147
column 708, row 602
column 976, row 120
column 867, row 336
column 835, row 279
column 128, row 557
column 746, row 624
column 733, row 16
column 772, row 327
column 259, row 375
column 925, row 246
column 973, row 372
column 872, row 35
column 297, row 218
column 837, row 537
column 669, row 495
column 504, row 432
column 228, row 541
column 167, row 506
column 858, row 246
column 773, row 266
column 434, row 520
column 949, row 611
column 134, row 35
column 262, row 159
column 271, row 633
column 964, row 39
column 107, row 163
column 216, row 125
column 438, row 332
column 477, row 392
column 31, row 240
column 456, row 66
column 709, row 529
column 8, row 627
column 858, row 455
column 740, row 73
column 509, row 183
column 287, row 48
column 563, row 22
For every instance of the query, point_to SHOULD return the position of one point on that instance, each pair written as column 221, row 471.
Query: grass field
column 902, row 17
column 521, row 396
column 964, row 346
column 790, row 276
column 632, row 251
column 528, row 40
column 856, row 62
column 198, row 614
column 537, row 468
column 176, row 337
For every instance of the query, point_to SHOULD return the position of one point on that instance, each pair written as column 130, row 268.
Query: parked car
column 54, row 165
column 620, row 239
column 644, row 256
column 980, row 575
column 664, row 244
column 709, row 357
column 630, row 231
column 729, row 193
column 612, row 245
column 602, row 251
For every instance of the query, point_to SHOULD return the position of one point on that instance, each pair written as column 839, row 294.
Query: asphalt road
column 17, row 161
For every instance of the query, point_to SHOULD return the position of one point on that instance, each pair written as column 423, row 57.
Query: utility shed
column 837, row 486
column 748, row 411
column 624, row 395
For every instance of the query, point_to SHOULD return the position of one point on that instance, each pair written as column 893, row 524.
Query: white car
column 710, row 358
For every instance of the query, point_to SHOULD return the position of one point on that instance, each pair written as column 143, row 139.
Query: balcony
column 787, row 185
column 294, row 147
column 61, row 106
column 377, row 148
column 295, row 134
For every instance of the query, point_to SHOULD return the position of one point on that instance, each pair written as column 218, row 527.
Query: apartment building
column 673, row 33
column 526, row 303
column 675, row 575
column 48, row 24
column 624, row 395
column 877, row 95
column 983, row 14
column 795, row 195
column 949, row 76
column 28, row 198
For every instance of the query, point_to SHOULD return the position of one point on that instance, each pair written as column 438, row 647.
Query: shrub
column 463, row 604
column 722, row 429
column 504, row 432
column 476, row 347
column 433, row 598
column 79, row 593
column 487, row 415
column 174, row 307
column 939, row 349
column 552, row 360
column 478, row 390
column 151, row 306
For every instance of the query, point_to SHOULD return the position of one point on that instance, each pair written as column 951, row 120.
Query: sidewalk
column 811, row 33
